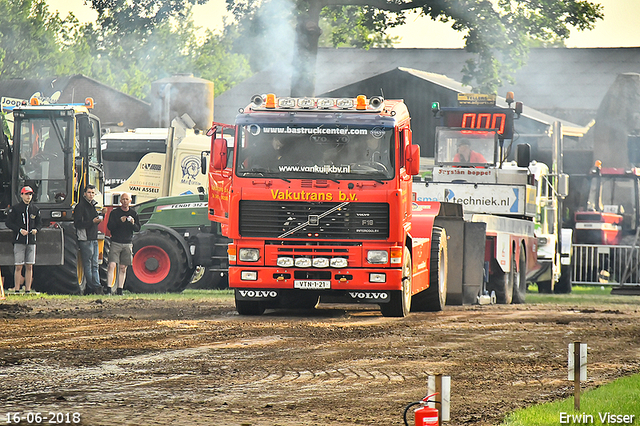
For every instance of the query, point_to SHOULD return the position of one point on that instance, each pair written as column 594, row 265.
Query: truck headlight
column 285, row 262
column 377, row 256
column 303, row 262
column 320, row 262
column 338, row 262
column 249, row 275
column 248, row 255
column 377, row 278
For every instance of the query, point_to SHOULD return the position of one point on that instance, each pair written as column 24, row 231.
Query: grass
column 618, row 398
column 585, row 295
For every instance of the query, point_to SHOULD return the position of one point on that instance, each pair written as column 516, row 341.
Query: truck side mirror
column 219, row 155
column 523, row 156
column 203, row 162
column 563, row 185
column 412, row 159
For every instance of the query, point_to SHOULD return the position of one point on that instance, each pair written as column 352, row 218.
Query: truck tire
column 159, row 264
column 564, row 285
column 247, row 307
column 62, row 279
column 434, row 298
column 501, row 284
column 399, row 304
column 519, row 277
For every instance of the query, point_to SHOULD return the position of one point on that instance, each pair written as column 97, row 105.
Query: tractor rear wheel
column 159, row 264
column 62, row 279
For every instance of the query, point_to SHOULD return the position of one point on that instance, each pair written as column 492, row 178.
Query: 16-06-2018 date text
column 51, row 418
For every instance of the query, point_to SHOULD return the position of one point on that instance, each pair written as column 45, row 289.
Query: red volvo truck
column 316, row 195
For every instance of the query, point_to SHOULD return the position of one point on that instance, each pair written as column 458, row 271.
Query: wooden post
column 438, row 397
column 576, row 376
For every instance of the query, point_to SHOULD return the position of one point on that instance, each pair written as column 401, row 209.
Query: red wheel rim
column 151, row 254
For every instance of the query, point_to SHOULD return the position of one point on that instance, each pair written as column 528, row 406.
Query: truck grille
column 274, row 219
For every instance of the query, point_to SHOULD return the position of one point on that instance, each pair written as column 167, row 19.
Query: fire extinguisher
column 424, row 416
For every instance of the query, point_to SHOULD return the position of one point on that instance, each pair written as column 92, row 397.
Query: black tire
column 544, row 287
column 7, row 277
column 564, row 285
column 519, row 277
column 62, row 279
column 399, row 304
column 247, row 307
column 434, row 298
column 159, row 264
column 501, row 284
column 104, row 266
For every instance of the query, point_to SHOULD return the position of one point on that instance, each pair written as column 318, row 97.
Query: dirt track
column 196, row 362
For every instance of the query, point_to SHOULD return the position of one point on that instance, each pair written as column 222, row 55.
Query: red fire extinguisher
column 424, row 415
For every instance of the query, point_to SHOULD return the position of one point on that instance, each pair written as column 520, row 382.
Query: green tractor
column 177, row 247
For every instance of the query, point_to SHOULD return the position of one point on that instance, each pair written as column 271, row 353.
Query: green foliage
column 618, row 398
column 498, row 32
column 34, row 42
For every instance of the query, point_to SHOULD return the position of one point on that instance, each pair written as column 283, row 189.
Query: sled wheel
column 564, row 285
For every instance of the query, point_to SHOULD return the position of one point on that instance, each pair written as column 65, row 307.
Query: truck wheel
column 399, row 304
column 159, row 264
column 501, row 283
column 62, row 279
column 520, row 277
column 247, row 307
column 434, row 298
column 564, row 285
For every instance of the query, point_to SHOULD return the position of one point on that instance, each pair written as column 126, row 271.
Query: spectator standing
column 86, row 220
column 123, row 222
column 24, row 221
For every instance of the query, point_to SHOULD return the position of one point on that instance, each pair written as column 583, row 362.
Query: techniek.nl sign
column 497, row 199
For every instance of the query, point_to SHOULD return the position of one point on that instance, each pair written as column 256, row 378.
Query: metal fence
column 595, row 264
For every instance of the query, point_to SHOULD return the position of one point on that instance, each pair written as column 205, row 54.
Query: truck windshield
column 465, row 147
column 41, row 153
column 317, row 152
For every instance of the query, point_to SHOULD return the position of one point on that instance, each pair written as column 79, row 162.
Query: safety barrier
column 600, row 264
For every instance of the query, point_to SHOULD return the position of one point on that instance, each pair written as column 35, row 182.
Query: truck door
column 220, row 174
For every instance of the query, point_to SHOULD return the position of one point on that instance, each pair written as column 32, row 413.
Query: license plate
column 312, row 284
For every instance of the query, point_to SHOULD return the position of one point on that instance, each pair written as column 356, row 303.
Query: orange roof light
column 34, row 101
column 88, row 102
column 509, row 97
column 361, row 102
column 271, row 100
column 598, row 164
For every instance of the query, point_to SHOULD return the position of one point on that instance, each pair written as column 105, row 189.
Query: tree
column 35, row 43
column 498, row 32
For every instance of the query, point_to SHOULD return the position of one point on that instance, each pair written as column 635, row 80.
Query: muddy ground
column 130, row 361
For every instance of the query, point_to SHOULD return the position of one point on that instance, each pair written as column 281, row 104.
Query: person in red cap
column 24, row 220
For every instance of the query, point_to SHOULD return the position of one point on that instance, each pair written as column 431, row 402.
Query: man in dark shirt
column 24, row 220
column 86, row 220
column 123, row 222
